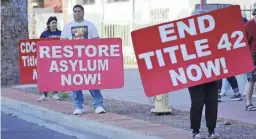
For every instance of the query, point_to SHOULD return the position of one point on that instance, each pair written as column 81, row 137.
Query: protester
column 250, row 31
column 233, row 82
column 204, row 94
column 50, row 32
column 82, row 29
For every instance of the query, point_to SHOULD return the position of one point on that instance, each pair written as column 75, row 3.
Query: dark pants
column 233, row 83
column 204, row 94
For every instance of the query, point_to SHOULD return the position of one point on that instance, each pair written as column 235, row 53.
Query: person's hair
column 78, row 6
column 49, row 21
column 254, row 9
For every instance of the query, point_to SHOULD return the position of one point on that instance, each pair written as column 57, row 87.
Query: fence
column 124, row 29
column 247, row 12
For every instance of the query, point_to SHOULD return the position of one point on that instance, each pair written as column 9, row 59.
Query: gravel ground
column 179, row 119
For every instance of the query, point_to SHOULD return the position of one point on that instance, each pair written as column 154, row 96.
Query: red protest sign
column 80, row 64
column 192, row 51
column 28, row 60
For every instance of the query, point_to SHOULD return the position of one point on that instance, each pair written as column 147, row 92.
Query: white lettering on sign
column 201, row 47
column 79, row 65
column 26, row 47
column 182, row 75
column 82, row 50
column 29, row 61
column 225, row 43
column 167, row 32
column 80, row 79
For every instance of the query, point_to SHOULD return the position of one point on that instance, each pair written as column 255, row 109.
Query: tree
column 14, row 20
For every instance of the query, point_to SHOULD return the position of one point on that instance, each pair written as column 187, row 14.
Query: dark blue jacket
column 50, row 34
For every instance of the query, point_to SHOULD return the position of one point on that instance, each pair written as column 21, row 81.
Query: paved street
column 15, row 128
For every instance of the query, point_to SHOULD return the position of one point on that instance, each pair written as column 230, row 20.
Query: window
column 112, row 1
column 86, row 2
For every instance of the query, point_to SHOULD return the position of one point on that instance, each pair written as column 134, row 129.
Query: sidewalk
column 109, row 124
column 133, row 91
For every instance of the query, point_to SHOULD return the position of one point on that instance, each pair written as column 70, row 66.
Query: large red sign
column 28, row 60
column 192, row 51
column 80, row 64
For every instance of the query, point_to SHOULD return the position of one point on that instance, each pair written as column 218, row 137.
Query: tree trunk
column 14, row 20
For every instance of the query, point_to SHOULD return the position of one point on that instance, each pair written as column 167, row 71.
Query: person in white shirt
column 82, row 29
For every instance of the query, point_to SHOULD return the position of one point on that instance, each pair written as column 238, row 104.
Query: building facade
column 117, row 18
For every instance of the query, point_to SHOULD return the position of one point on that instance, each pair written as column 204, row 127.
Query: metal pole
column 150, row 11
column 203, row 4
column 65, row 10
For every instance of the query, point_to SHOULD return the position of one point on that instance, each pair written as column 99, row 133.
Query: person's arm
column 95, row 34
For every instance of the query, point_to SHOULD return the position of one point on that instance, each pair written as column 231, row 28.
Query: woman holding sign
column 233, row 82
column 204, row 94
column 51, row 32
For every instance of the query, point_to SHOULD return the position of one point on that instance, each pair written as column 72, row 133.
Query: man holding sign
column 82, row 29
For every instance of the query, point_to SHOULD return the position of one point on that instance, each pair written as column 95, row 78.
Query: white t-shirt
column 79, row 30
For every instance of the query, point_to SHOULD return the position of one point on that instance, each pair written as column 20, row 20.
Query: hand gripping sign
column 192, row 51
column 80, row 64
column 28, row 60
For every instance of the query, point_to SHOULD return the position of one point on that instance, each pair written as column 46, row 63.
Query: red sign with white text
column 80, row 64
column 192, row 51
column 27, row 60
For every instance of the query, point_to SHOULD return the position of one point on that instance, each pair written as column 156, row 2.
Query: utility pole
column 203, row 4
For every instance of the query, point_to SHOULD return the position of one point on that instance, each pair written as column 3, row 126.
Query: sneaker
column 99, row 110
column 219, row 98
column 56, row 97
column 236, row 97
column 223, row 93
column 197, row 135
column 213, row 136
column 78, row 111
column 250, row 108
column 42, row 98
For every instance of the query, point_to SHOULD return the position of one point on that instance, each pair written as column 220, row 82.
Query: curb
column 74, row 122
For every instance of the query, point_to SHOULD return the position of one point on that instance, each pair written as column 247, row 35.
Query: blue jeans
column 78, row 99
column 226, row 86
